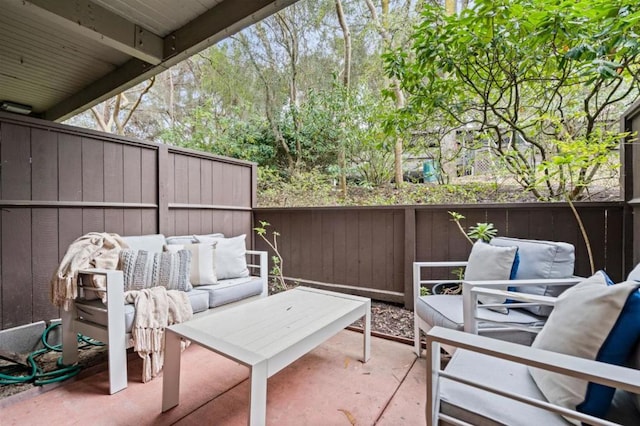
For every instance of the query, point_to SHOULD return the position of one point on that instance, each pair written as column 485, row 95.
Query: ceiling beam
column 218, row 23
column 221, row 21
column 92, row 21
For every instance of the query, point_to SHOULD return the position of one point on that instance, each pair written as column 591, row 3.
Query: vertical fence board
column 327, row 243
column 614, row 258
column 114, row 221
column 149, row 176
column 92, row 220
column 44, row 261
column 132, row 222
column 15, row 173
column 340, row 254
column 69, row 171
column 113, row 173
column 44, row 171
column 132, row 175
column 92, row 170
column 69, row 228
column 17, row 288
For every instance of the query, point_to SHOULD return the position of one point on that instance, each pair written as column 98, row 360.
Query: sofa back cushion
column 189, row 239
column 230, row 257
column 541, row 259
column 152, row 243
column 203, row 258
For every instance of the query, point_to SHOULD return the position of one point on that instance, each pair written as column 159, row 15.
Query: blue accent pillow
column 593, row 320
column 617, row 349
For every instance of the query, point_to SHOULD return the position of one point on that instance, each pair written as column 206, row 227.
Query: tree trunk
column 346, row 81
column 395, row 84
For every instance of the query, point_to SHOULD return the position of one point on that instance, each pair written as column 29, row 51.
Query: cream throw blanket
column 93, row 250
column 156, row 308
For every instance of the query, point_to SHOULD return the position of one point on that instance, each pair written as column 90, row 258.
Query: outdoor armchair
column 487, row 381
column 516, row 299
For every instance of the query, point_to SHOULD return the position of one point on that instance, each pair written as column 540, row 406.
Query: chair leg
column 69, row 337
column 416, row 337
column 117, row 368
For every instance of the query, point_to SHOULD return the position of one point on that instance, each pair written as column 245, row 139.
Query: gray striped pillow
column 143, row 269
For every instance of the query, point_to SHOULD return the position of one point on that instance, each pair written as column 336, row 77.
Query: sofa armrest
column 263, row 268
column 593, row 371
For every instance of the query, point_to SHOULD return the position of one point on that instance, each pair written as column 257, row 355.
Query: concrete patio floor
column 328, row 386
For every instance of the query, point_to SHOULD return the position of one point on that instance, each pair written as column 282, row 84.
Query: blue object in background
column 430, row 171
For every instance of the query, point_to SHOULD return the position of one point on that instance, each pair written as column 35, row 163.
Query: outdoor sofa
column 111, row 322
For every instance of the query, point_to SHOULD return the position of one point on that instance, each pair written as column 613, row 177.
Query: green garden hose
column 39, row 377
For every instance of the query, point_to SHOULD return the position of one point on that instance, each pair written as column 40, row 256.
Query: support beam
column 221, row 21
column 92, row 21
column 218, row 23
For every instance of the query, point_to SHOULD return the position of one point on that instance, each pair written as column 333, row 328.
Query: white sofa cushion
column 153, row 243
column 189, row 239
column 231, row 260
column 203, row 258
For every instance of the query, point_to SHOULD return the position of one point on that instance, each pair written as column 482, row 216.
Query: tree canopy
column 541, row 82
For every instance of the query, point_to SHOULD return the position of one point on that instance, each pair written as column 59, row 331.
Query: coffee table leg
column 367, row 332
column 258, row 408
column 171, row 371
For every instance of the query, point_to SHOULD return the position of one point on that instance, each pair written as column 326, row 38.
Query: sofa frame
column 114, row 334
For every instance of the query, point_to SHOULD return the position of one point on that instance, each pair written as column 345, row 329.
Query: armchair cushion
column 487, row 262
column 541, row 259
column 444, row 311
column 591, row 320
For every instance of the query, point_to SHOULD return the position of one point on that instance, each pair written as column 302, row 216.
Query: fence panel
column 59, row 182
column 369, row 250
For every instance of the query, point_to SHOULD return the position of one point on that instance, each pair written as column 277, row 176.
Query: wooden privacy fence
column 370, row 250
column 59, row 182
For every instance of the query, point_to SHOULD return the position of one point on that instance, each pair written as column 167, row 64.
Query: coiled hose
column 36, row 375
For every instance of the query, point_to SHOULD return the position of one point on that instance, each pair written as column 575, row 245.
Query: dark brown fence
column 59, row 182
column 370, row 250
column 630, row 122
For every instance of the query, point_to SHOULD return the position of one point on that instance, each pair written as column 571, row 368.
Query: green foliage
column 482, row 231
column 528, row 76
column 276, row 260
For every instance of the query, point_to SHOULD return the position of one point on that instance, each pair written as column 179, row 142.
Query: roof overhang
column 62, row 57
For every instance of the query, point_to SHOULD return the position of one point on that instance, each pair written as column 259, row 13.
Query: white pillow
column 231, row 261
column 203, row 262
column 591, row 320
column 486, row 263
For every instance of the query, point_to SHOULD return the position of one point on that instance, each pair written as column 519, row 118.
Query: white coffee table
column 266, row 335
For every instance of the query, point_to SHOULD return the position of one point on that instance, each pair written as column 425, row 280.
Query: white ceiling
column 63, row 56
